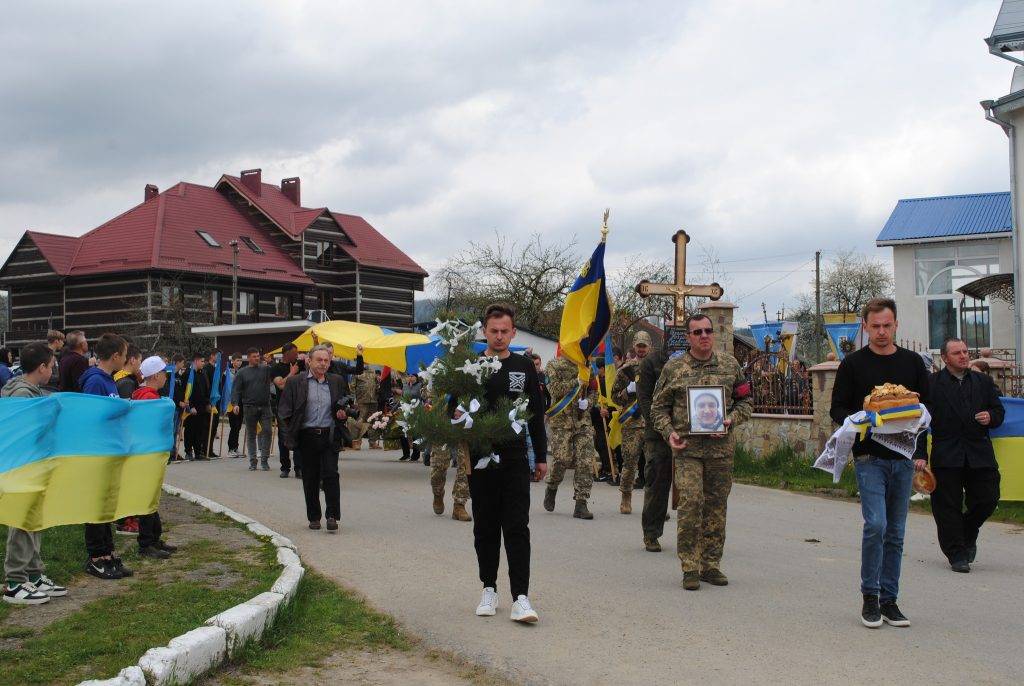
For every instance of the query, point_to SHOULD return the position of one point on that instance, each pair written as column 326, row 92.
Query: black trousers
column 657, row 487
column 197, row 428
column 235, row 426
column 319, row 470
column 406, row 446
column 99, row 540
column 150, row 529
column 501, row 508
column 963, row 499
column 283, row 451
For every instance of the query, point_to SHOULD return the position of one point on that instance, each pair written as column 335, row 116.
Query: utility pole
column 817, row 305
column 234, row 282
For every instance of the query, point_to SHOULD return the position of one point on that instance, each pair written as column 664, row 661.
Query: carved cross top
column 679, row 290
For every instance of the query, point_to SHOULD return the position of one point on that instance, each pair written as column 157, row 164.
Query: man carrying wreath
column 702, row 462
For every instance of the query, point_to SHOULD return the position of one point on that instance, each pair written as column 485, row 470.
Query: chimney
column 290, row 188
column 150, row 192
column 253, row 180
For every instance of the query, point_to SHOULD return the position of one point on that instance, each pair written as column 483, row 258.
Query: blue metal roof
column 948, row 216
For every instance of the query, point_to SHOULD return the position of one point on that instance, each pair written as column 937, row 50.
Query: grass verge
column 786, row 469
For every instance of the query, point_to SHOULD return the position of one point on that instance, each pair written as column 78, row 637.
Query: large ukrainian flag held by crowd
column 1008, row 443
column 70, row 458
column 586, row 315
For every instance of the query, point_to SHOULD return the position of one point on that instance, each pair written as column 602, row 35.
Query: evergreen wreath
column 456, row 380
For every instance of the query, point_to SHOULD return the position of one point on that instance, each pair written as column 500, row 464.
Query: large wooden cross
column 679, row 289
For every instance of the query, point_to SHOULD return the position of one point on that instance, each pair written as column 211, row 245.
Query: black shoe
column 892, row 616
column 426, row 461
column 332, row 524
column 972, row 552
column 549, row 499
column 188, row 456
column 200, row 458
column 121, row 569
column 962, row 566
column 102, row 569
column 414, row 458
column 166, row 546
column 298, row 473
column 284, row 475
column 870, row 614
column 154, row 552
column 403, row 458
column 252, row 466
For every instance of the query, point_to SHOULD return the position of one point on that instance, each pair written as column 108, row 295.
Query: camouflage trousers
column 657, row 487
column 632, row 449
column 703, row 486
column 440, row 459
column 572, row 448
column 365, row 410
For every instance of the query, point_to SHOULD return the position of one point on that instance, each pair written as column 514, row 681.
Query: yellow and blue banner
column 1008, row 443
column 70, row 458
column 586, row 314
column 215, row 391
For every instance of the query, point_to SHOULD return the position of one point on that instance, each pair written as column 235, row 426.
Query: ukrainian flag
column 70, row 458
column 586, row 315
column 1008, row 443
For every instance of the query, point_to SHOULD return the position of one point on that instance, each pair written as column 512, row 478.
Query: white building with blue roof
column 938, row 245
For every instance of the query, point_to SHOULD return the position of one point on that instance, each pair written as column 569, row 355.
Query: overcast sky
column 765, row 128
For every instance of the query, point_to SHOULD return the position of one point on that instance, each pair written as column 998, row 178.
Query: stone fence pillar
column 823, row 378
column 721, row 313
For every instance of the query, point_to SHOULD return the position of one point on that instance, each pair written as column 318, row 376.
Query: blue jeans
column 884, row 500
column 530, row 456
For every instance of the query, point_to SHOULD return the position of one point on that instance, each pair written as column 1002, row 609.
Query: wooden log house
column 167, row 263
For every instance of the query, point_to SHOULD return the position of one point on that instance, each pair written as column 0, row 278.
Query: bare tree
column 532, row 276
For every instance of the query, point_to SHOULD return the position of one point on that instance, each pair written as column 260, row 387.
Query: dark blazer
column 72, row 366
column 958, row 440
column 291, row 408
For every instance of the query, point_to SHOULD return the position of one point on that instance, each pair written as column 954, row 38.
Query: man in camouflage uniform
column 624, row 395
column 703, row 462
column 439, row 463
column 364, row 387
column 570, row 437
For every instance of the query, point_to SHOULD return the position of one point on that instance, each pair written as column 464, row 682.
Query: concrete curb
column 187, row 657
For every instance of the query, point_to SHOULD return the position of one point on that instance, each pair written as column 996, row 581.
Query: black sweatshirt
column 859, row 373
column 517, row 376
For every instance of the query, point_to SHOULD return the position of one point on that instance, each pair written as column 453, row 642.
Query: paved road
column 612, row 613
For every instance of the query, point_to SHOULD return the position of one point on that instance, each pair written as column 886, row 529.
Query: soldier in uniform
column 658, row 471
column 624, row 394
column 571, row 436
column 703, row 462
column 439, row 475
column 364, row 386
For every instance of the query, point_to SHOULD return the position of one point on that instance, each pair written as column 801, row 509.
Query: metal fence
column 776, row 391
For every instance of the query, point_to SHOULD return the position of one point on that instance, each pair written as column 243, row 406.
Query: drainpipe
column 1018, row 258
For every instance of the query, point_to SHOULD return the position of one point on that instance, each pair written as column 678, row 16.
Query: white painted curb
column 187, row 657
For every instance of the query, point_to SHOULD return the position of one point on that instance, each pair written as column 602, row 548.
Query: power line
column 772, row 283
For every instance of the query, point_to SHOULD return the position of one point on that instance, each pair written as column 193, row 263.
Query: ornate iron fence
column 776, row 391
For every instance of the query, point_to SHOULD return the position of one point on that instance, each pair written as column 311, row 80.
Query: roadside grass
column 787, row 469
column 63, row 553
column 103, row 636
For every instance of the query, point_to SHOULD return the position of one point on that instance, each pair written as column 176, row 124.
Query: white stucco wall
column 913, row 308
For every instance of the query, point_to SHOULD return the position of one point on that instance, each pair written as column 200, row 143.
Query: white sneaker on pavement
column 488, row 603
column 522, row 611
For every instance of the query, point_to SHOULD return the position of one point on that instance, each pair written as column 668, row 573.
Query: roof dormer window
column 209, row 240
column 252, row 245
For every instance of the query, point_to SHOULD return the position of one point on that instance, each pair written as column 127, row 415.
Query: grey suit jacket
column 291, row 408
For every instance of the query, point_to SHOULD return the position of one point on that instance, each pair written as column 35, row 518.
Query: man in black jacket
column 307, row 412
column 197, row 427
column 964, row 405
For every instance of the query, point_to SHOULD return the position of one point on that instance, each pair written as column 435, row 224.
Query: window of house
column 252, row 245
column 210, row 240
column 938, row 272
column 213, row 300
column 282, row 305
column 246, row 303
column 324, row 253
column 170, row 295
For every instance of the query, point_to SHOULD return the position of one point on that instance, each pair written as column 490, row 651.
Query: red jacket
column 145, row 393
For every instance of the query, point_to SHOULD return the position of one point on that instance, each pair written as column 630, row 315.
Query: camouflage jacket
column 562, row 377
column 628, row 372
column 669, row 406
column 364, row 387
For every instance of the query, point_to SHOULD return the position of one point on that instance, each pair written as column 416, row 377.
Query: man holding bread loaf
column 883, row 475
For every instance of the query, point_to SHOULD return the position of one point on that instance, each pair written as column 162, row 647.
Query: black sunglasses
column 697, row 332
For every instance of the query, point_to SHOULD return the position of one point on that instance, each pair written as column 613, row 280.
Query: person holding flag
column 216, row 378
column 227, row 407
column 628, row 423
column 197, row 400
column 586, row 317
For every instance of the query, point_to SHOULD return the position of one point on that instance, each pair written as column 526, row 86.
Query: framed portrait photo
column 707, row 409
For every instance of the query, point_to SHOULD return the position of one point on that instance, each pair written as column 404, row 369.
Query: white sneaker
column 24, row 594
column 488, row 603
column 522, row 611
column 233, row 454
column 46, row 585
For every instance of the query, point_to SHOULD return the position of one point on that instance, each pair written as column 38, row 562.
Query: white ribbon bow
column 486, row 460
column 517, row 425
column 467, row 415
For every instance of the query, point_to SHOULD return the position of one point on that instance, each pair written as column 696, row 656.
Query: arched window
column 939, row 271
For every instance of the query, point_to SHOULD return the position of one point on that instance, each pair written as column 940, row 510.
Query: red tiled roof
column 58, row 250
column 161, row 234
column 371, row 248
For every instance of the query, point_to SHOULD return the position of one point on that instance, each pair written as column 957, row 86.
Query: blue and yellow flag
column 586, row 315
column 188, row 384
column 71, row 458
column 1008, row 442
column 215, row 390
